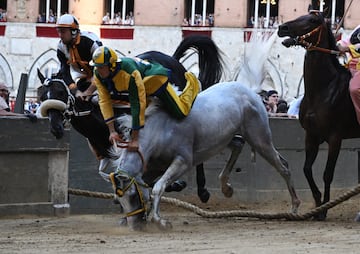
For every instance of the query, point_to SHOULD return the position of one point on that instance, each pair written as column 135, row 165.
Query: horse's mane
column 338, row 92
column 333, row 46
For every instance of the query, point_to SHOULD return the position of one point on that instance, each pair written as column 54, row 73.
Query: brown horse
column 326, row 112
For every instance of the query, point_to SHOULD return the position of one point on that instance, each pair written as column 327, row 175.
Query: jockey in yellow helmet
column 141, row 79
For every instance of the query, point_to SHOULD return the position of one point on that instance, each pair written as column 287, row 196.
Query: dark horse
column 326, row 112
column 86, row 118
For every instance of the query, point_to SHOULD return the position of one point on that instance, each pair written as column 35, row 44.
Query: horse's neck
column 319, row 70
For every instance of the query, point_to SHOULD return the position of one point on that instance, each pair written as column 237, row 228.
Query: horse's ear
column 41, row 76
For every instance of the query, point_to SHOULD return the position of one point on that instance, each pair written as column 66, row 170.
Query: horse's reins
column 125, row 144
column 301, row 40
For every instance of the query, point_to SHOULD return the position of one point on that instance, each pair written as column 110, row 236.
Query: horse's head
column 56, row 99
column 305, row 31
column 131, row 190
column 133, row 195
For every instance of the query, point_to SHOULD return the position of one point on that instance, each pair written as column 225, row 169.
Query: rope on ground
column 233, row 213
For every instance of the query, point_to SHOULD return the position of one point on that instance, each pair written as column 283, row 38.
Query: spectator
column 282, row 106
column 52, row 18
column 4, row 104
column 211, row 19
column 294, row 107
column 185, row 22
column 3, row 15
column 32, row 106
column 106, row 19
column 40, row 18
column 272, row 101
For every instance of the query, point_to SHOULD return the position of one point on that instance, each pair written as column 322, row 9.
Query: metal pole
column 321, row 8
column 47, row 10
column 58, row 11
column 333, row 9
column 204, row 12
column 124, row 12
column 112, row 10
column 266, row 25
column 192, row 12
column 256, row 14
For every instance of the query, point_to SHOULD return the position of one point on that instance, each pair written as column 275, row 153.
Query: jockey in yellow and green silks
column 140, row 79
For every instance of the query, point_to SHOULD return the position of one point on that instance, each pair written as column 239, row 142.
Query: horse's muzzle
column 289, row 42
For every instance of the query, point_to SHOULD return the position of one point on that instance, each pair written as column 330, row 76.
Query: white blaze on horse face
column 48, row 94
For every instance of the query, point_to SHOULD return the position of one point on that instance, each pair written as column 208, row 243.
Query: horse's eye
column 313, row 20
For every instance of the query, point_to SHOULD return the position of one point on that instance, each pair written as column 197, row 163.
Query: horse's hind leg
column 236, row 146
column 203, row 193
column 260, row 140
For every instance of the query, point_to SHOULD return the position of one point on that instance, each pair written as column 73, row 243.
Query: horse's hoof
column 227, row 190
column 320, row 216
column 295, row 206
column 165, row 225
column 177, row 186
column 162, row 224
column 357, row 218
column 204, row 195
column 123, row 222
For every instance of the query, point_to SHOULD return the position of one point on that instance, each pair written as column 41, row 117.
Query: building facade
column 28, row 37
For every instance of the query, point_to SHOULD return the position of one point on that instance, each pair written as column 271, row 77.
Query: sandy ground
column 190, row 233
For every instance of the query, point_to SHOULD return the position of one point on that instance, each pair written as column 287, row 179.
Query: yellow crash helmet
column 104, row 56
column 68, row 21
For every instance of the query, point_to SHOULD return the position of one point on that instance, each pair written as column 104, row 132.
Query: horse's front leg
column 177, row 168
column 236, row 146
column 333, row 154
column 311, row 152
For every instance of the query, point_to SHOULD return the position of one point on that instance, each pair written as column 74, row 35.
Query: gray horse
column 168, row 148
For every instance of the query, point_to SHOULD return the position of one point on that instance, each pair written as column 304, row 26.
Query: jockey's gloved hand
column 32, row 117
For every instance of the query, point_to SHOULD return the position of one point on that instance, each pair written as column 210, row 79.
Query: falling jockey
column 140, row 79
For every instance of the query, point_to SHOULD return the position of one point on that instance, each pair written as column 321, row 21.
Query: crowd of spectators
column 198, row 20
column 279, row 107
column 3, row 15
column 128, row 21
column 42, row 17
column 274, row 22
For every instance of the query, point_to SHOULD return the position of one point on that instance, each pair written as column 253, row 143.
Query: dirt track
column 190, row 233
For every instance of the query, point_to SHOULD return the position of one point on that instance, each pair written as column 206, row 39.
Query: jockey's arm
column 137, row 98
column 114, row 135
column 64, row 68
column 87, row 93
column 342, row 48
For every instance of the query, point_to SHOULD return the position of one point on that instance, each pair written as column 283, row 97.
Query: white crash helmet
column 68, row 21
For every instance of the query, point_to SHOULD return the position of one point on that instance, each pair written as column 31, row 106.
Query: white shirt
column 3, row 104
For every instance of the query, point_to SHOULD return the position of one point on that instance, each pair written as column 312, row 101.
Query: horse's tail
column 210, row 59
column 251, row 72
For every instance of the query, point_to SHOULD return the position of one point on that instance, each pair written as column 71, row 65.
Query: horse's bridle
column 69, row 108
column 121, row 192
column 301, row 40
